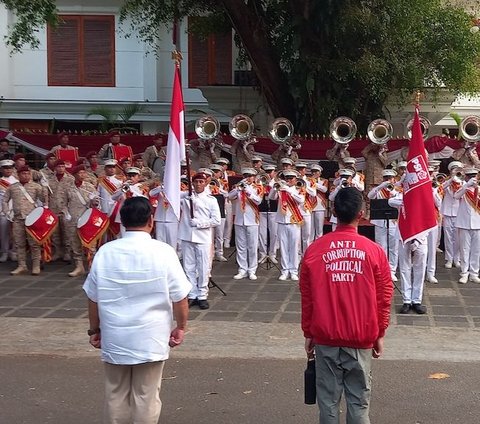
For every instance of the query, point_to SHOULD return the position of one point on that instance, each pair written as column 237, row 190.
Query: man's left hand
column 309, row 347
column 377, row 350
column 95, row 341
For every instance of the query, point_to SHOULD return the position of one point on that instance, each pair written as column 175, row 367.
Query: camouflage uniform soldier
column 74, row 201
column 26, row 196
column 58, row 183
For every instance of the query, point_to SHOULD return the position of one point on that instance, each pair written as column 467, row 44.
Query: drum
column 70, row 156
column 120, row 152
column 91, row 226
column 40, row 223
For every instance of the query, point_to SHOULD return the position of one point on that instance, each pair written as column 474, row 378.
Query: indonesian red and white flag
column 175, row 146
column 417, row 215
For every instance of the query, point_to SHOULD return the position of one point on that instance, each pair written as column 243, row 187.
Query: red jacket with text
column 346, row 289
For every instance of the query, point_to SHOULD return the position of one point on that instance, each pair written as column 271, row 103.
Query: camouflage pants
column 20, row 239
column 60, row 239
column 75, row 243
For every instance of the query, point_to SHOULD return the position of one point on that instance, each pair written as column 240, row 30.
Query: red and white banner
column 175, row 146
column 417, row 215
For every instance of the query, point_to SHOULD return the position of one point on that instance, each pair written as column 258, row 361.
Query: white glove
column 67, row 216
column 471, row 182
column 194, row 222
column 414, row 245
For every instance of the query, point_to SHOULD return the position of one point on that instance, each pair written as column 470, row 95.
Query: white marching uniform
column 468, row 225
column 432, row 238
column 196, row 236
column 247, row 220
column 119, row 196
column 288, row 230
column 267, row 237
column 166, row 222
column 306, row 230
column 357, row 182
column 318, row 213
column 386, row 230
column 412, row 261
column 449, row 211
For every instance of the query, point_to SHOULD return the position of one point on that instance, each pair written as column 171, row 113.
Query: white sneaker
column 3, row 257
column 294, row 277
column 474, row 279
column 463, row 280
column 252, row 276
column 439, row 250
column 283, row 276
column 448, row 264
column 457, row 264
column 262, row 259
column 273, row 260
column 394, row 277
column 226, row 244
column 221, row 258
column 240, row 275
column 432, row 279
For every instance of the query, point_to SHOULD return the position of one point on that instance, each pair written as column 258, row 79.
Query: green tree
column 318, row 59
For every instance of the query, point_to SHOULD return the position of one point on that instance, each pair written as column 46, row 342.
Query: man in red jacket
column 346, row 290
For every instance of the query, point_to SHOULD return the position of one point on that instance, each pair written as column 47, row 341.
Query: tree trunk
column 249, row 27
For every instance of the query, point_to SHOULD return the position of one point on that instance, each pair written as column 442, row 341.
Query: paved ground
column 55, row 295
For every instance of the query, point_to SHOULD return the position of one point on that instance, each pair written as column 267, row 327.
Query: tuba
column 241, row 127
column 424, row 125
column 281, row 131
column 470, row 129
column 207, row 127
column 343, row 130
column 380, row 131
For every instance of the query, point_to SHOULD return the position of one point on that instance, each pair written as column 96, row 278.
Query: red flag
column 417, row 215
column 175, row 146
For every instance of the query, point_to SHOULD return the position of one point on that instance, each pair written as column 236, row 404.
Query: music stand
column 380, row 209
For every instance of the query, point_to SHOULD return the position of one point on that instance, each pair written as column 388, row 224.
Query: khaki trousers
column 343, row 370
column 132, row 393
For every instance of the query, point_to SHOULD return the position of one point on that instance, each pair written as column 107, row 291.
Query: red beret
column 112, row 133
column 50, row 155
column 18, row 156
column 60, row 135
column 77, row 168
column 123, row 160
column 59, row 162
column 136, row 157
column 24, row 168
column 199, row 176
column 90, row 154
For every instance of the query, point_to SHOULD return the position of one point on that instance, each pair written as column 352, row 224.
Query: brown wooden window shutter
column 81, row 51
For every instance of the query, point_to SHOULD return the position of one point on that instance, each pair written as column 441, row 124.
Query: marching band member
column 219, row 190
column 108, row 184
column 386, row 190
column 376, row 159
column 228, row 229
column 433, row 235
column 132, row 187
column 6, row 180
column 106, row 151
column 93, row 167
column 26, row 195
column 286, row 164
column 468, row 225
column 358, row 180
column 154, row 156
column 338, row 153
column 74, row 201
column 310, row 192
column 204, row 152
column 90, row 177
column 267, row 229
column 289, row 220
column 166, row 222
column 64, row 141
column 58, row 183
column 5, row 149
column 345, row 179
column 196, row 237
column 257, row 163
column 285, row 151
column 146, row 174
column 248, row 196
column 449, row 210
column 412, row 261
column 318, row 213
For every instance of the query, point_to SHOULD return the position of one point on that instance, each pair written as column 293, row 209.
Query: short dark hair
column 347, row 204
column 135, row 212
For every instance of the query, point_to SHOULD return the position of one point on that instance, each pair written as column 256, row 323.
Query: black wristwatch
column 92, row 331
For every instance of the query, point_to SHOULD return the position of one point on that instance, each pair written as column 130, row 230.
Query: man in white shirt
column 318, row 213
column 6, row 180
column 200, row 213
column 135, row 287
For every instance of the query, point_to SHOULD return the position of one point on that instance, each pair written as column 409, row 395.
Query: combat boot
column 36, row 268
column 79, row 270
column 20, row 269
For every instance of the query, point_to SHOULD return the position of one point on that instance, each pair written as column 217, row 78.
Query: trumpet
column 214, row 182
column 126, row 186
column 263, row 179
column 440, row 178
column 390, row 187
column 345, row 183
column 279, row 185
column 458, row 177
column 300, row 183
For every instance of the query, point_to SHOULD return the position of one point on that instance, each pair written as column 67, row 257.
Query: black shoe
column 192, row 302
column 419, row 308
column 203, row 304
column 405, row 309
